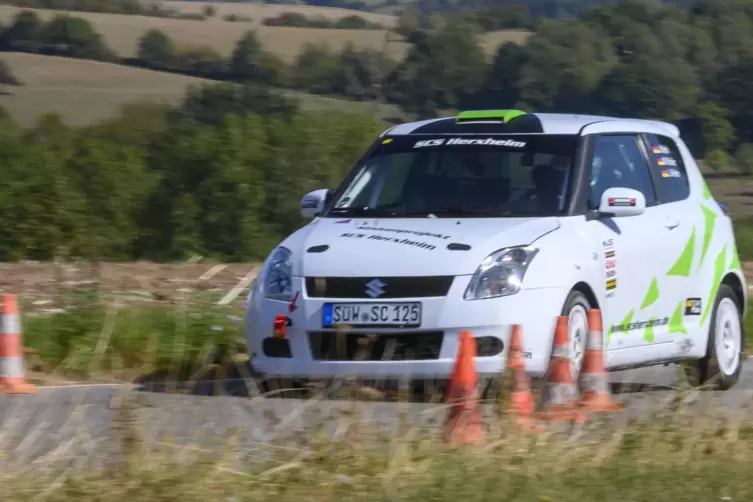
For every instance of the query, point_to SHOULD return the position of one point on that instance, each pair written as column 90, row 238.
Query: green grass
column 126, row 336
column 102, row 335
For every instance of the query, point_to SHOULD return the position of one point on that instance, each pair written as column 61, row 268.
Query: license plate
column 372, row 314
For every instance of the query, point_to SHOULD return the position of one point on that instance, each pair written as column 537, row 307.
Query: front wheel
column 721, row 366
column 576, row 309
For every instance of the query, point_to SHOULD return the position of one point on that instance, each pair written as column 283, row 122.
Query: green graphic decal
column 651, row 295
column 684, row 263
column 648, row 335
column 709, row 220
column 675, row 322
column 626, row 321
column 706, row 191
column 735, row 264
column 721, row 259
column 503, row 115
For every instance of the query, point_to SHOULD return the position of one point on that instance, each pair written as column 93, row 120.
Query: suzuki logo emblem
column 374, row 288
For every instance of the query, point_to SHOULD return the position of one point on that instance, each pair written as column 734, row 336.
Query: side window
column 618, row 162
column 666, row 162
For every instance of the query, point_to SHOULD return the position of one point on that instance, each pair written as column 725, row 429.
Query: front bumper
column 444, row 319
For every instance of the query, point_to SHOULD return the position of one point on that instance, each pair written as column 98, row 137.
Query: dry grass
column 259, row 11
column 84, row 92
column 256, row 450
column 123, row 32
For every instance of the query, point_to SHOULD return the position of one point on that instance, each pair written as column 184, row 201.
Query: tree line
column 220, row 175
column 689, row 64
column 208, row 11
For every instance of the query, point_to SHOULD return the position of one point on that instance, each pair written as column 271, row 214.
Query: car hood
column 356, row 247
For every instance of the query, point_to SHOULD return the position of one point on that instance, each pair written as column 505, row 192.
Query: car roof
column 520, row 122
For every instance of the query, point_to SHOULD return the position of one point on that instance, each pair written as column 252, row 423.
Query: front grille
column 392, row 287
column 329, row 346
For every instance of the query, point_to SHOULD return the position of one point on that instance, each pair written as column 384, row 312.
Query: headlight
column 501, row 273
column 277, row 282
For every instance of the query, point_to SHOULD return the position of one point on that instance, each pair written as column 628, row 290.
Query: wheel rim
column 577, row 327
column 727, row 336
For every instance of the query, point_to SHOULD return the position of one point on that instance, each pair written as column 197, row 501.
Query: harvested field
column 122, row 32
column 69, row 86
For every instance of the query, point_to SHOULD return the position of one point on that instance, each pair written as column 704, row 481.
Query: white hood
column 407, row 246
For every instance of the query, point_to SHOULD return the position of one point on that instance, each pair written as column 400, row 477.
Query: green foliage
column 126, row 7
column 156, row 49
column 221, row 175
column 6, row 75
column 718, row 160
column 298, row 20
column 744, row 158
column 439, row 70
column 716, row 131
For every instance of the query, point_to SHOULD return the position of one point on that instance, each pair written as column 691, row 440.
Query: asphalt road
column 76, row 422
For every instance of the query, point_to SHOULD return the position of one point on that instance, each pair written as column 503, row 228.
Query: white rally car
column 500, row 217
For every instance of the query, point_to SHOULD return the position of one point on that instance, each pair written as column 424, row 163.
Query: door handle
column 672, row 224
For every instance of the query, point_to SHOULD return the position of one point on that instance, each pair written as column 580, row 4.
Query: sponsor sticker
column 610, row 264
column 693, row 306
column 608, row 243
column 466, row 141
column 622, row 202
column 416, row 233
column 609, row 254
column 666, row 161
column 670, row 173
column 611, row 273
column 395, row 240
column 660, row 149
column 640, row 325
column 309, row 203
column 611, row 284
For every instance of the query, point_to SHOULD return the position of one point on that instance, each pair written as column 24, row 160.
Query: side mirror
column 620, row 202
column 313, row 203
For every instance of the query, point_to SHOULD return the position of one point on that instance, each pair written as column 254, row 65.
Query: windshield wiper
column 459, row 211
column 364, row 210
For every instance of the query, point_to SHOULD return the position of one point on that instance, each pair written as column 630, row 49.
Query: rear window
column 666, row 162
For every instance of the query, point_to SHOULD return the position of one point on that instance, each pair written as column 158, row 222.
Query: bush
column 744, row 158
column 6, row 74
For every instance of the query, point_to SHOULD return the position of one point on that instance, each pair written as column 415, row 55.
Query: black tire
column 706, row 371
column 573, row 300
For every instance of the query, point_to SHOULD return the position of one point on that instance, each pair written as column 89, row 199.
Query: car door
column 688, row 222
column 636, row 312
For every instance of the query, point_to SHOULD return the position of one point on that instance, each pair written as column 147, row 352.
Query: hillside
column 122, row 32
column 259, row 11
column 84, row 92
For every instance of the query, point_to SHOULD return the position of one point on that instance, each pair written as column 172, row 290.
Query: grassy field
column 675, row 456
column 84, row 92
column 260, row 11
column 123, row 32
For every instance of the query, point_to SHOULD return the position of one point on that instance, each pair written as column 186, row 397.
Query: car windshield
column 467, row 176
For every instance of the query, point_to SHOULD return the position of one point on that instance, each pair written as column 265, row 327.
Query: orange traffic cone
column 12, row 379
column 560, row 391
column 522, row 404
column 464, row 421
column 593, row 381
